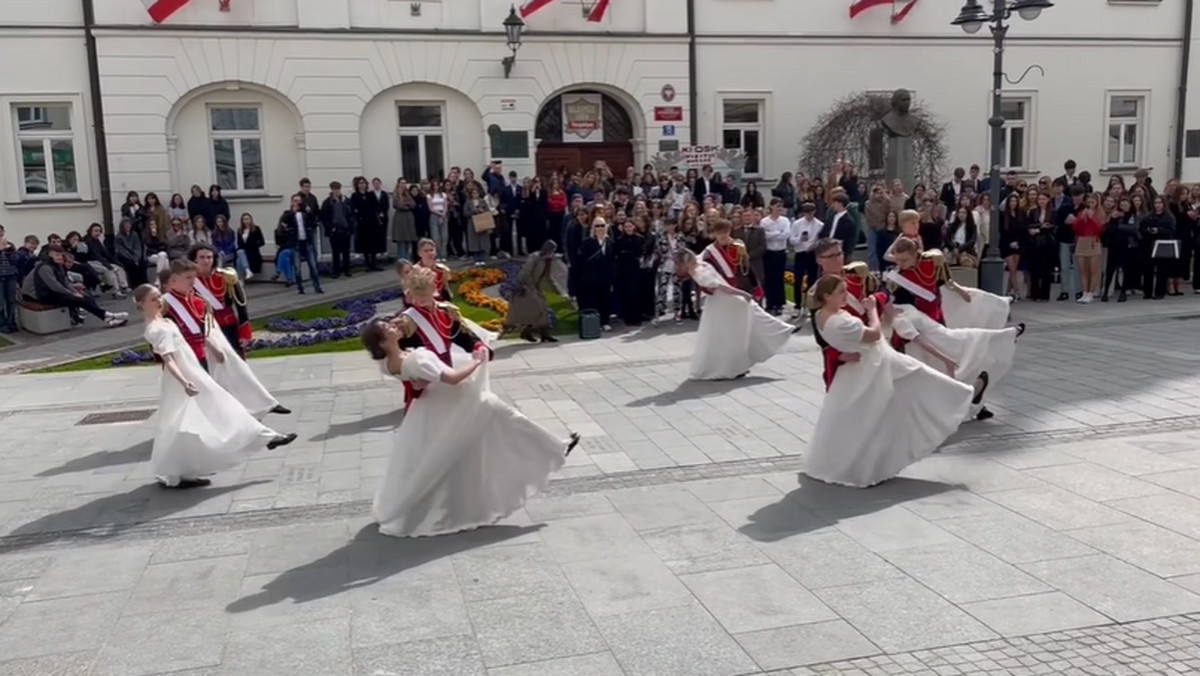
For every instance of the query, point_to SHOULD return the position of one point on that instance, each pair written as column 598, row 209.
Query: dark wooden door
column 583, row 156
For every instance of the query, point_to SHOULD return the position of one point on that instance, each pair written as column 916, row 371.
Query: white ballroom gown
column 463, row 458
column 882, row 413
column 735, row 334
column 973, row 350
column 985, row 311
column 200, row 435
column 235, row 376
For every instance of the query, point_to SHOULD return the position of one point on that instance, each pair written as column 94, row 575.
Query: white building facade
column 256, row 97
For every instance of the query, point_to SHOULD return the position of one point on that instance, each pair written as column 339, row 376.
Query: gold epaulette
column 743, row 256
column 941, row 265
column 452, row 310
column 860, row 270
column 235, row 285
column 443, row 267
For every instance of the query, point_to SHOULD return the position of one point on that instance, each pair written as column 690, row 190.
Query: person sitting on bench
column 48, row 285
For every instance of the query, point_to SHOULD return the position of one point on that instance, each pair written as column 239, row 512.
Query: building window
column 1015, row 149
column 741, row 128
column 237, row 145
column 422, row 140
column 47, row 145
column 1125, row 130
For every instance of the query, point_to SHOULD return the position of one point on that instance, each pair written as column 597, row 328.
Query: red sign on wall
column 900, row 8
column 668, row 113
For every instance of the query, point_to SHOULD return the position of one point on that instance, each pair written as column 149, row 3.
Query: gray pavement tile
column 500, row 572
column 626, row 584
column 891, row 529
column 1126, row 457
column 1183, row 481
column 145, row 643
column 1149, row 547
column 75, row 573
column 450, row 656
column 702, row 547
column 68, row 664
column 974, row 472
column 800, row 644
column 592, row 537
column 190, row 548
column 22, row 567
column 899, row 614
column 952, row 504
column 962, row 572
column 596, row 664
column 60, row 625
column 659, row 507
column 532, row 628
column 567, row 506
column 320, row 647
column 731, row 488
column 828, row 559
column 1114, row 588
column 280, row 549
column 188, row 585
column 755, row 598
column 1034, row 614
column 1095, row 482
column 1015, row 539
column 769, row 518
column 682, row 641
column 1058, row 509
column 1173, row 511
column 300, row 595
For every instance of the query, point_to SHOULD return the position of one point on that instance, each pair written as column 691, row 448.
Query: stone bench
column 41, row 319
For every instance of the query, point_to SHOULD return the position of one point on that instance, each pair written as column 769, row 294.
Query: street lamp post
column 971, row 19
column 513, row 26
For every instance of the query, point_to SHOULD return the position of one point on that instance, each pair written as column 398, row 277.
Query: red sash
column 925, row 275
column 194, row 306
column 833, row 360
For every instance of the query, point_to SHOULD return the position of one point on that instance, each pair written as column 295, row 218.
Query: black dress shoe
column 984, row 414
column 1063, row 296
column 527, row 336
column 549, row 339
column 1122, row 298
column 983, row 385
column 188, row 483
column 574, row 441
column 281, row 410
column 281, row 440
column 1020, row 329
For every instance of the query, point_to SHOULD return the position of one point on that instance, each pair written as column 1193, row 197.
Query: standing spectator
column 844, row 219
column 475, row 202
column 301, row 231
column 667, row 289
column 250, row 242
column 707, row 184
column 130, row 252
column 156, row 249
column 1068, row 179
column 596, row 277
column 752, row 198
column 99, row 259
column 556, row 212
column 962, row 239
column 178, row 240
column 1044, row 245
column 439, row 217
column 531, row 224
column 406, row 199
column 1065, row 207
column 1014, row 240
column 510, row 196
column 574, row 234
column 155, row 213
column 216, row 205
column 383, row 205
column 176, row 209
column 628, row 248
column 369, row 237
column 952, row 189
column 875, row 218
column 197, row 204
column 1122, row 238
column 338, row 216
column 26, row 256
column 1088, row 225
column 982, row 213
column 731, row 194
column 224, row 240
column 493, row 177
column 679, row 197
column 312, row 207
column 9, row 280
column 1157, row 226
column 776, row 227
column 133, row 210
column 786, row 192
column 803, row 236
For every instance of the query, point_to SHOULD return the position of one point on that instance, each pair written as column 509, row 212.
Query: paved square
column 1062, row 537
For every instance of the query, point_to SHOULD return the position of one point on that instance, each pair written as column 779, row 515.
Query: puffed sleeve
column 843, row 332
column 159, row 337
column 422, row 365
column 903, row 327
column 706, row 276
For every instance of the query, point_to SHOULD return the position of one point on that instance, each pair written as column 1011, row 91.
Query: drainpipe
column 1185, row 62
column 93, row 63
column 693, row 85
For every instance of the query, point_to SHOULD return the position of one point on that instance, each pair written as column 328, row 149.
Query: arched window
column 615, row 121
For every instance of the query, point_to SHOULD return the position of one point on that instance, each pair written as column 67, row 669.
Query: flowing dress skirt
column 235, row 376
column 985, row 311
column 882, row 413
column 463, row 458
column 734, row 335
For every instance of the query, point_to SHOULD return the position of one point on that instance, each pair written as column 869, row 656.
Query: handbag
column 1165, row 249
column 589, row 325
column 483, row 222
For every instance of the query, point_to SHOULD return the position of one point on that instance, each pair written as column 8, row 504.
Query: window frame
column 1028, row 123
column 1139, row 123
column 237, row 136
column 47, row 138
column 762, row 101
column 442, row 131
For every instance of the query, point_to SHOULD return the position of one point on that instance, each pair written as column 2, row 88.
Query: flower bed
column 471, row 283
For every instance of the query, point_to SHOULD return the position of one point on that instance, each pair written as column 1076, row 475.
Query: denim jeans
column 242, row 264
column 283, row 264
column 306, row 252
column 440, row 229
column 1068, row 276
column 404, row 251
column 872, row 247
column 8, row 303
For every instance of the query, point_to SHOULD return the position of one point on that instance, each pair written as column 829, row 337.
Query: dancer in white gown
column 201, row 428
column 234, row 375
column 463, row 458
column 883, row 412
column 735, row 333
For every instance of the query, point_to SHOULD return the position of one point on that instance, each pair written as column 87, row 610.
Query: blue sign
column 668, row 130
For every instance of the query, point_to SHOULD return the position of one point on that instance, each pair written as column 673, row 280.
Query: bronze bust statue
column 899, row 122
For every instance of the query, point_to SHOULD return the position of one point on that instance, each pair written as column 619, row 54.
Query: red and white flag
column 900, row 8
column 159, row 10
column 531, row 6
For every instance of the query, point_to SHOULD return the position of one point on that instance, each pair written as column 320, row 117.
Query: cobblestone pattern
column 1166, row 646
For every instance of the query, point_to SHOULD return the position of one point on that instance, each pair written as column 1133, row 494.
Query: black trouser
column 340, row 243
column 774, row 263
column 1122, row 260
column 84, row 303
column 135, row 274
column 457, row 234
column 1041, row 271
column 1155, row 272
column 628, row 283
column 502, row 235
column 804, row 264
column 597, row 297
column 687, row 298
column 231, row 334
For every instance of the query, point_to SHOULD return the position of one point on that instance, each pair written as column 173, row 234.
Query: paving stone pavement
column 1063, row 537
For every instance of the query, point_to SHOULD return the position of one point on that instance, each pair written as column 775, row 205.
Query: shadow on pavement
column 139, row 452
column 815, row 505
column 371, row 558
column 699, row 389
column 648, row 331
column 384, row 421
column 112, row 515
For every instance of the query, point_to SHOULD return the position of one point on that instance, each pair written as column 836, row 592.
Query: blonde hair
column 420, row 280
column 909, row 216
column 825, row 287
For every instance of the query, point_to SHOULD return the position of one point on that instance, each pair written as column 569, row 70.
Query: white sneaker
column 114, row 322
column 1081, row 299
column 607, row 327
column 116, row 315
column 249, row 275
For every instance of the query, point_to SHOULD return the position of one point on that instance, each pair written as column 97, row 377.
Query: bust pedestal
column 900, row 160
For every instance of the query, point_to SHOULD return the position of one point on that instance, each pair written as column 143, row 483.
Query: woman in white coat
column 883, row 412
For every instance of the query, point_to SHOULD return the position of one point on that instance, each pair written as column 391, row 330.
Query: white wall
column 465, row 140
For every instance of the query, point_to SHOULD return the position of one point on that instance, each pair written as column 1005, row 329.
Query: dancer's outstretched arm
column 456, row 376
column 172, row 367
column 872, row 332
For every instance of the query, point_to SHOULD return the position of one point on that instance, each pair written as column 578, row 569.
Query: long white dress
column 234, row 375
column 200, row 435
column 985, row 311
column 973, row 350
column 734, row 333
column 463, row 458
column 882, row 413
